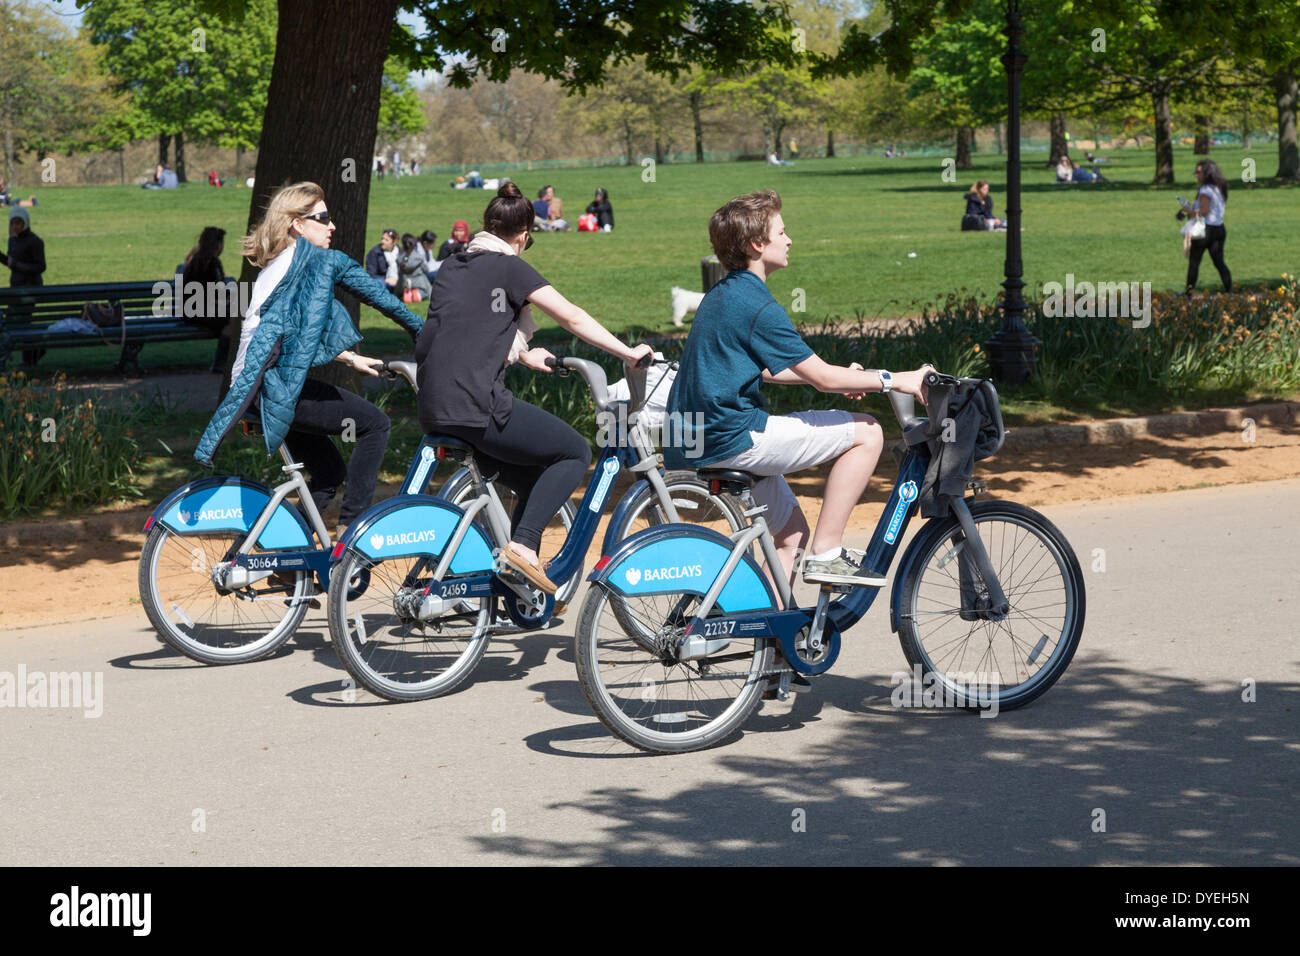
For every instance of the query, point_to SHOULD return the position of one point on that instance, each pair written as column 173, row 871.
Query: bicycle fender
column 416, row 524
column 674, row 558
column 616, row 519
column 231, row 504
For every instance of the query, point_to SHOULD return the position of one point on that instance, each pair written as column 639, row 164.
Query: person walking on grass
column 741, row 338
column 294, row 323
column 1211, row 199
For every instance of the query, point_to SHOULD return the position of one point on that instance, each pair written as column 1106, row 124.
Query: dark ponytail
column 509, row 214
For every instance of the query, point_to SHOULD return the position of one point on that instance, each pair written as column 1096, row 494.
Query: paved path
column 1198, row 594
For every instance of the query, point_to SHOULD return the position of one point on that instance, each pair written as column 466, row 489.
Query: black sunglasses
column 528, row 243
column 321, row 217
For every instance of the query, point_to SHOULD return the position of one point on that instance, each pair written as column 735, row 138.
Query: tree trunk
column 1288, row 152
column 164, row 141
column 696, row 99
column 997, row 135
column 1164, row 136
column 121, row 162
column 180, row 158
column 830, row 144
column 964, row 136
column 1201, row 144
column 322, row 113
column 9, row 142
column 239, row 165
column 1059, row 146
column 627, row 143
column 778, row 133
column 659, row 151
column 1245, row 124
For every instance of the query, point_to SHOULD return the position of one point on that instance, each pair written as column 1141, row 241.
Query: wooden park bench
column 27, row 312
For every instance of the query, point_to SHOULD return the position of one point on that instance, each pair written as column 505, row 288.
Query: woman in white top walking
column 1210, row 200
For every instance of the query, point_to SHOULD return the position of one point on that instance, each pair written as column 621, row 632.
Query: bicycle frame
column 705, row 635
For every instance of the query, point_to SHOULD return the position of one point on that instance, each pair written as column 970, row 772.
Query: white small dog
column 685, row 302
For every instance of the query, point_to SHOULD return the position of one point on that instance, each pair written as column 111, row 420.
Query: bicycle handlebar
column 598, row 383
column 940, row 388
column 399, row 369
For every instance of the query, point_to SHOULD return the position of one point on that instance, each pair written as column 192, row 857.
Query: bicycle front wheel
column 944, row 627
column 383, row 641
column 646, row 697
column 208, row 624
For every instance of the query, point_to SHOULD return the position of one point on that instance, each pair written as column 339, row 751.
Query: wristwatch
column 886, row 381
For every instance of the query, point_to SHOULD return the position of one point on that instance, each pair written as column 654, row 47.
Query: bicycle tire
column 1037, row 564
column 610, row 662
column 696, row 505
column 203, row 624
column 404, row 661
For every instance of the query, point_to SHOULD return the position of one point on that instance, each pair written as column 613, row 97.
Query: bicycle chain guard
column 804, row 657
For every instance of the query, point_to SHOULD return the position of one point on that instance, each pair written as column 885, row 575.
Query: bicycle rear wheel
column 644, row 696
column 943, row 627
column 201, row 621
column 386, row 646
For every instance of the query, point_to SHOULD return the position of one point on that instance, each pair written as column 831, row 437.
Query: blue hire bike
column 433, row 587
column 680, row 636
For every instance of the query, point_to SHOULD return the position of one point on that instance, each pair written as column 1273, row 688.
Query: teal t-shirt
column 739, row 330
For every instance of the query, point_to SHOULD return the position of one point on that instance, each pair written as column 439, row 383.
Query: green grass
column 853, row 221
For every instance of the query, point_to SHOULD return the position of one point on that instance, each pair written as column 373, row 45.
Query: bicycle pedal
column 977, row 486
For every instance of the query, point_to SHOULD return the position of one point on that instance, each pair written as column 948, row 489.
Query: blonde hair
column 271, row 236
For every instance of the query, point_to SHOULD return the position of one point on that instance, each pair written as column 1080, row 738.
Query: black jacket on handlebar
column 974, row 435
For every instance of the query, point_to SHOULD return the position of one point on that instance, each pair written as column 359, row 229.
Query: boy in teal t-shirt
column 742, row 337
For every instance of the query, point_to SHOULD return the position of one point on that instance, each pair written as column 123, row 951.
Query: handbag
column 587, row 222
column 1194, row 228
column 105, row 315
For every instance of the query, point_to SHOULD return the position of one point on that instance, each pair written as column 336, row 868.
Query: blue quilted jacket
column 302, row 326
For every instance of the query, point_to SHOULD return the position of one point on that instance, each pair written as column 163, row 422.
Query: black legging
column 324, row 410
column 537, row 456
column 1213, row 241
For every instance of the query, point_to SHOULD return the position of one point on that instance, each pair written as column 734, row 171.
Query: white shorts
column 790, row 443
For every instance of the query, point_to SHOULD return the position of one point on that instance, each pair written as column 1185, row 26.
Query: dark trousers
column 324, row 410
column 537, row 456
column 1213, row 241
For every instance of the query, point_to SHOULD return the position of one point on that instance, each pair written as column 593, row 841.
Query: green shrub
column 59, row 449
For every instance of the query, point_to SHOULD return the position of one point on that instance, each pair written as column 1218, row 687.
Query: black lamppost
column 1011, row 351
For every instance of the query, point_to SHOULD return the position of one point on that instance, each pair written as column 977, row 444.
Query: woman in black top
column 203, row 266
column 480, row 301
column 979, row 209
column 602, row 210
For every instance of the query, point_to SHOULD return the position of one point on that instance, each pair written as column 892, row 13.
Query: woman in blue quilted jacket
column 292, row 324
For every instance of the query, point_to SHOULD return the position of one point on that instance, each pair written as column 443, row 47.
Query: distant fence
column 934, row 148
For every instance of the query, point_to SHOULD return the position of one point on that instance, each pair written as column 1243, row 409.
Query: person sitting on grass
column 741, row 338
column 979, row 209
